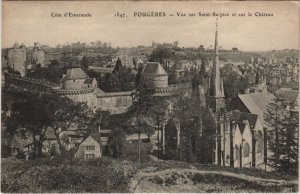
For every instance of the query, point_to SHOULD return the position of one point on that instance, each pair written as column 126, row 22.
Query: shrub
column 157, row 180
column 171, row 180
column 72, row 176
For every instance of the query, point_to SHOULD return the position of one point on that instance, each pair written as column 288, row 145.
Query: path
column 150, row 171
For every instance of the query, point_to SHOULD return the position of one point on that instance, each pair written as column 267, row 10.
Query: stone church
column 214, row 135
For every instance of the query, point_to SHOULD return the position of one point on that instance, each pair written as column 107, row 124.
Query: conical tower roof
column 77, row 73
column 154, row 68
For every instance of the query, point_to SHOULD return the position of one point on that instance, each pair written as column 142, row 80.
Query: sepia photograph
column 150, row 96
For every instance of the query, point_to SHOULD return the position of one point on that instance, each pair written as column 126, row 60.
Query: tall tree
column 85, row 62
column 289, row 159
column 143, row 100
column 273, row 120
column 118, row 66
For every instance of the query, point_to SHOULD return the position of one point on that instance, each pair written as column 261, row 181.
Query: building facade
column 17, row 58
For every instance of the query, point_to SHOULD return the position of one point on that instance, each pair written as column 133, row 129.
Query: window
column 260, row 146
column 246, row 150
column 260, row 142
column 237, row 152
column 89, row 155
column 90, row 147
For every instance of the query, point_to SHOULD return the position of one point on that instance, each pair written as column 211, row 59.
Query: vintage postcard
column 150, row 96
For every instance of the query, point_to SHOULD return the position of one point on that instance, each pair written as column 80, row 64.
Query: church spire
column 216, row 86
column 218, row 89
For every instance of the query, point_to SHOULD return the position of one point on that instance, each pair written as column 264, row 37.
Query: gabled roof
column 257, row 103
column 96, row 136
column 241, row 116
column 288, row 94
column 77, row 73
column 154, row 68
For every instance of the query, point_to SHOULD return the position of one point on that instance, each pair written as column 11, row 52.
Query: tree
column 52, row 73
column 141, row 108
column 204, row 64
column 118, row 66
column 120, row 80
column 188, row 146
column 201, row 48
column 100, row 118
column 161, row 54
column 159, row 113
column 63, row 112
column 32, row 115
column 273, row 120
column 85, row 62
column 289, row 159
column 117, row 143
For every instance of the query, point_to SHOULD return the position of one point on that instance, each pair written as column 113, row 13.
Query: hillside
column 193, row 180
column 107, row 175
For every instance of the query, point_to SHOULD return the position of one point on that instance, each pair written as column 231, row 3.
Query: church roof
column 77, row 72
column 154, row 68
column 241, row 116
column 257, row 103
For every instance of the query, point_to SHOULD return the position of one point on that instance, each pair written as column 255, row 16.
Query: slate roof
column 257, row 103
column 89, row 81
column 96, row 136
column 241, row 116
column 288, row 94
column 154, row 68
column 76, row 72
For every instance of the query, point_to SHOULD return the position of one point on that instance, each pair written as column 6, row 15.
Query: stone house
column 90, row 147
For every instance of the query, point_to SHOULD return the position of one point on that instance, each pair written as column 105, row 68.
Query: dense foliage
column 283, row 132
column 101, row 176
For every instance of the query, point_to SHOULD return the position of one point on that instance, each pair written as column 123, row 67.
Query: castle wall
column 157, row 81
column 76, row 84
column 17, row 59
column 117, row 102
column 89, row 98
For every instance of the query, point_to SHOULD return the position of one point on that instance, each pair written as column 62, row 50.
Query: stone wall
column 17, row 60
column 115, row 102
column 76, row 84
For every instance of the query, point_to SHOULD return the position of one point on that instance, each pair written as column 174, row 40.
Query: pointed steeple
column 218, row 88
column 216, row 84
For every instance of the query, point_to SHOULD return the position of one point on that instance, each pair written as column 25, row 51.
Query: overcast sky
column 28, row 22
